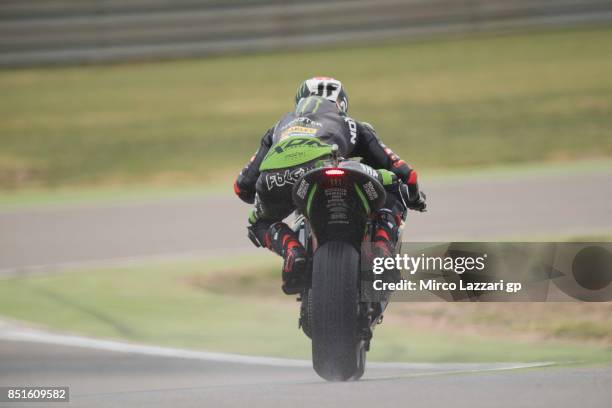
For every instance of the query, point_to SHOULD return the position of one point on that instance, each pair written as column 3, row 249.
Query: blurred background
column 124, row 123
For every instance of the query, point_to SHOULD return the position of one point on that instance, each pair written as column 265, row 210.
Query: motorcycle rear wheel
column 338, row 354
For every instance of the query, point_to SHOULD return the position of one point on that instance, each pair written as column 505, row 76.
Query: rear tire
column 337, row 352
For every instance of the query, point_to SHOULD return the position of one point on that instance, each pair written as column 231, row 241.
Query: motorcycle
column 334, row 204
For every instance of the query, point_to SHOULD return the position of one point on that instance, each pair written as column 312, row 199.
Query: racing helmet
column 328, row 88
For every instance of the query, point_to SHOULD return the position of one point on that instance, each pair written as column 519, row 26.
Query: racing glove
column 413, row 198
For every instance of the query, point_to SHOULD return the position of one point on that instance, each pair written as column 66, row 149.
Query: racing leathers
column 271, row 190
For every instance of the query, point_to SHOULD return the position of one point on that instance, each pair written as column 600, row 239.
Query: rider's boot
column 385, row 239
column 281, row 239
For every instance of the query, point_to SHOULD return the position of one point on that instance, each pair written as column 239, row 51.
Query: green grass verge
column 475, row 101
column 237, row 308
column 42, row 197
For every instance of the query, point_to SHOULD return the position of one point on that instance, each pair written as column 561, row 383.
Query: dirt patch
column 16, row 174
column 564, row 321
column 262, row 283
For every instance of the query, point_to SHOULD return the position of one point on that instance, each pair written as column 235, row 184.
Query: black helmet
column 328, row 88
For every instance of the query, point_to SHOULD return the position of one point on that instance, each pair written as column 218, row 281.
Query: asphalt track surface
column 114, row 374
column 43, row 240
column 116, row 379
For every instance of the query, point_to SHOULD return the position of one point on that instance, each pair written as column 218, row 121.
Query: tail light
column 334, row 172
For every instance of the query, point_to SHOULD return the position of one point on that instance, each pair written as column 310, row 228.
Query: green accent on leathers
column 294, row 151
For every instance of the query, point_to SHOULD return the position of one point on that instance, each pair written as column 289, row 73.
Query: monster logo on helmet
column 328, row 88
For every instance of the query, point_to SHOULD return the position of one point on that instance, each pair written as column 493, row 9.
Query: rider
column 321, row 112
